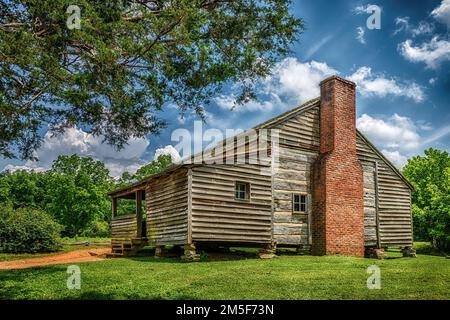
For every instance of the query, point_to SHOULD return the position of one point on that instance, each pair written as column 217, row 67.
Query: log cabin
column 328, row 191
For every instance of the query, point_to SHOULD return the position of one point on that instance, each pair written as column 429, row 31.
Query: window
column 242, row 191
column 298, row 202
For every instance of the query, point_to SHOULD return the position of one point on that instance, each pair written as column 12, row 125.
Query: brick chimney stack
column 338, row 194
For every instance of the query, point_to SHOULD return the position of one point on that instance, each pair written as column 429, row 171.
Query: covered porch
column 128, row 225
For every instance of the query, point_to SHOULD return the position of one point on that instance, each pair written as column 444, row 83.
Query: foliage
column 78, row 189
column 23, row 188
column 98, row 228
column 237, row 277
column 74, row 192
column 430, row 176
column 28, row 230
column 152, row 168
column 127, row 61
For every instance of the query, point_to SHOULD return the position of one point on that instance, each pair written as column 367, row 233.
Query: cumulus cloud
column 291, row 83
column 400, row 137
column 360, row 35
column 404, row 25
column 395, row 157
column 168, row 150
column 432, row 53
column 397, row 136
column 370, row 84
column 442, row 12
column 76, row 141
column 393, row 132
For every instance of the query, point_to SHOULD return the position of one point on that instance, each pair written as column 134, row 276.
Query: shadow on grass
column 94, row 295
column 173, row 255
column 426, row 248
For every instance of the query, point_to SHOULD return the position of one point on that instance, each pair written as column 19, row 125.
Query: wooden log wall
column 124, row 227
column 217, row 216
column 301, row 131
column 167, row 209
column 394, row 199
column 370, row 224
column 299, row 142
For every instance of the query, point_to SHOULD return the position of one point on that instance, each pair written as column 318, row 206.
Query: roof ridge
column 385, row 159
column 303, row 107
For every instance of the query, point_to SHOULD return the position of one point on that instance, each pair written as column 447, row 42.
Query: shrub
column 27, row 230
column 98, row 229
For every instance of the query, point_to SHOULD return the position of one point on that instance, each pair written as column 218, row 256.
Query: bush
column 98, row 228
column 27, row 230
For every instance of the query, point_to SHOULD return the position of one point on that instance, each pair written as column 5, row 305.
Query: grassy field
column 236, row 277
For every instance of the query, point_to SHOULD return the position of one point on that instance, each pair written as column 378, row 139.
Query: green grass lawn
column 236, row 277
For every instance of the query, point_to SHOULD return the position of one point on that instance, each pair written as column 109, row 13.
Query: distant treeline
column 73, row 192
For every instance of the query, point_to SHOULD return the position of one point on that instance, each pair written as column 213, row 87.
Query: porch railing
column 124, row 227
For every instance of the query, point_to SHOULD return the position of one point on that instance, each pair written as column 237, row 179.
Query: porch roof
column 128, row 192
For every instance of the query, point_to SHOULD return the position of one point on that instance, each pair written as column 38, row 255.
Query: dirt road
column 82, row 255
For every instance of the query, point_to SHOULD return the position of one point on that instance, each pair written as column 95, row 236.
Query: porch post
column 114, row 207
column 139, row 213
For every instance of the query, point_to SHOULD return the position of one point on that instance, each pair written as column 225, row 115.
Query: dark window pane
column 242, row 191
column 303, row 207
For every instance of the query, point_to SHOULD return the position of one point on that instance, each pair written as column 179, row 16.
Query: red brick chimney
column 338, row 194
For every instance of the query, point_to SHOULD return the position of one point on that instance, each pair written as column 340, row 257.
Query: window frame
column 246, row 192
column 299, row 194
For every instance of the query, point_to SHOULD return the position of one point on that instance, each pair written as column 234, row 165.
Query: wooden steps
column 126, row 247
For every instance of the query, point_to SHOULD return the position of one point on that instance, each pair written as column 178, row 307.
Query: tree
column 23, row 188
column 78, row 189
column 154, row 167
column 128, row 60
column 430, row 176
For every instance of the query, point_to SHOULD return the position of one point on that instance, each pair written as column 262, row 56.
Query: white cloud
column 317, row 46
column 437, row 134
column 12, row 168
column 396, row 158
column 421, row 29
column 76, row 141
column 291, row 83
column 168, row 150
column 227, row 102
column 360, row 35
column 432, row 53
column 297, row 80
column 394, row 132
column 378, row 85
column 442, row 12
column 399, row 137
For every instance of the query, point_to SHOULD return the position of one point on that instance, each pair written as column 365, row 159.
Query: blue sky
column 401, row 70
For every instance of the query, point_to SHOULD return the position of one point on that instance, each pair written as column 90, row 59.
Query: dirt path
column 81, row 255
